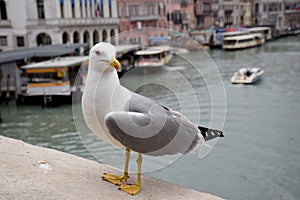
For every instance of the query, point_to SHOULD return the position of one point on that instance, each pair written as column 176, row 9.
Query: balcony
column 72, row 22
column 5, row 24
column 228, row 11
column 144, row 18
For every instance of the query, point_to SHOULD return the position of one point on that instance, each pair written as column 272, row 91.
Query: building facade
column 42, row 22
column 137, row 17
column 245, row 12
column 206, row 13
column 181, row 15
column 291, row 15
column 268, row 13
column 228, row 12
column 174, row 14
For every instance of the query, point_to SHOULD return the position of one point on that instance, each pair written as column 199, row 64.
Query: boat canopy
column 59, row 62
column 40, row 51
column 149, row 52
column 243, row 37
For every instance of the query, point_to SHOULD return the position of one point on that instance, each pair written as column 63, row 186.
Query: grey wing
column 152, row 129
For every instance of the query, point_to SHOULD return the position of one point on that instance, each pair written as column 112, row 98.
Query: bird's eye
column 98, row 53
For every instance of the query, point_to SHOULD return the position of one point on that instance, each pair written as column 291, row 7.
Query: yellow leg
column 117, row 180
column 134, row 189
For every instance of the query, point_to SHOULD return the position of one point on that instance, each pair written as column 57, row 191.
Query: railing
column 228, row 11
column 144, row 18
column 72, row 22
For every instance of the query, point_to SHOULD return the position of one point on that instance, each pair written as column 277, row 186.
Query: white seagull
column 128, row 120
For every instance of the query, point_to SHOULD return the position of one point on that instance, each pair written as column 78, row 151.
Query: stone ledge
column 32, row 172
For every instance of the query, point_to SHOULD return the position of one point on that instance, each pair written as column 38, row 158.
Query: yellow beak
column 115, row 64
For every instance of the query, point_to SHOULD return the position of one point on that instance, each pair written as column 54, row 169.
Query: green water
column 259, row 156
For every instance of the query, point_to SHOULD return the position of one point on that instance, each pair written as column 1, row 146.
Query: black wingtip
column 221, row 134
column 210, row 134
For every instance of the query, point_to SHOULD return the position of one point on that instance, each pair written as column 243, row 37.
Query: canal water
column 257, row 159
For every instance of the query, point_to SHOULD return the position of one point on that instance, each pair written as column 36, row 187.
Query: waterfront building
column 291, row 15
column 268, row 13
column 43, row 22
column 174, row 14
column 229, row 13
column 180, row 15
column 245, row 12
column 139, row 16
column 206, row 13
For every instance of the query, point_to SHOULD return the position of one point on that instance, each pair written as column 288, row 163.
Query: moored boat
column 247, row 75
column 243, row 41
column 53, row 81
column 153, row 56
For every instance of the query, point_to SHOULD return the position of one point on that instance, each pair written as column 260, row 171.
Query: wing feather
column 150, row 128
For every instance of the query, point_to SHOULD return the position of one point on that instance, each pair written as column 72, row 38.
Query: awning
column 41, row 51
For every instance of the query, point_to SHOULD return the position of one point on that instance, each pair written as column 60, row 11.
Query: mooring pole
column 7, row 89
column 0, row 86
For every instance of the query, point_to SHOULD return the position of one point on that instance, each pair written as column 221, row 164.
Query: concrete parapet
column 32, row 172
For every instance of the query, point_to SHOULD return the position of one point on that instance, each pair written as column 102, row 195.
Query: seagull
column 131, row 121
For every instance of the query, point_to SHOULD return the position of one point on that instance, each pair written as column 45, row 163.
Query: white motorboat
column 247, row 75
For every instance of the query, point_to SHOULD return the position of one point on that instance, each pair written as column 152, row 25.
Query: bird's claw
column 130, row 189
column 116, row 180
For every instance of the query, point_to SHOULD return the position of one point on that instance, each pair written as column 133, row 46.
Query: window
column 62, row 9
column 206, row 7
column 43, row 39
column 3, row 14
column 176, row 17
column 3, row 41
column 229, row 42
column 73, row 10
column 256, row 8
column 86, row 9
column 159, row 11
column 95, row 37
column 47, row 77
column 126, row 9
column 134, row 10
column 150, row 10
column 65, row 37
column 80, row 8
column 40, row 9
column 110, row 8
column 91, row 10
column 200, row 20
column 20, row 41
column 76, row 37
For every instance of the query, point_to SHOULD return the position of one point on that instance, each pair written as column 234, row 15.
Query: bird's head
column 103, row 55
